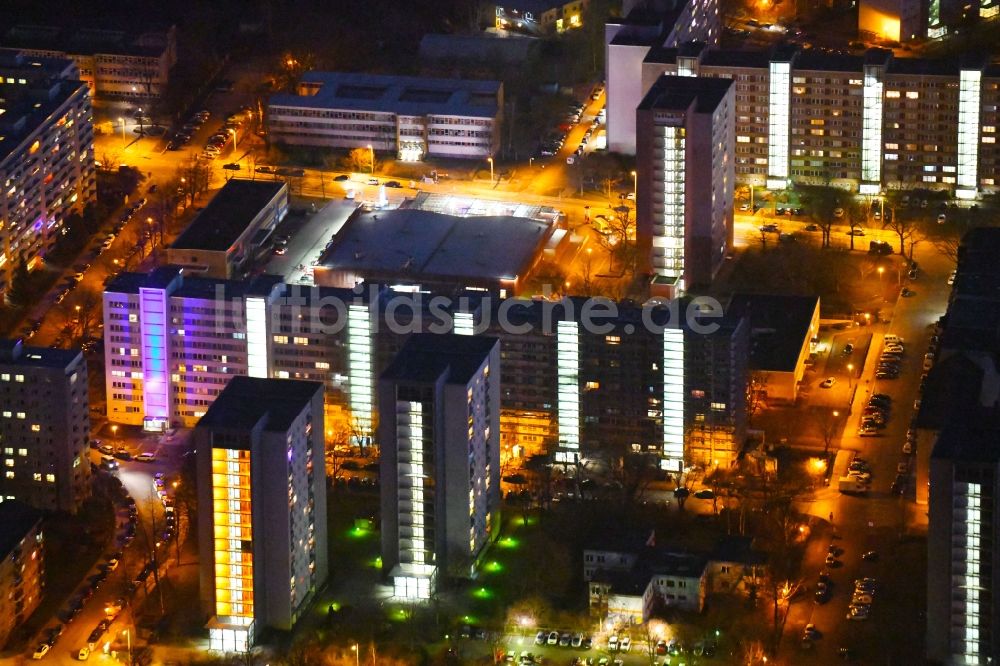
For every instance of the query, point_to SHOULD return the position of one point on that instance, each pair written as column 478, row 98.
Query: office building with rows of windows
column 439, row 428
column 262, row 493
column 862, row 122
column 44, row 426
column 119, row 67
column 173, row 342
column 408, row 117
column 46, row 155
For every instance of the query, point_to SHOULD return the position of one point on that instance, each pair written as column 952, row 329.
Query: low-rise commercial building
column 408, row 117
column 234, row 230
column 439, row 428
column 442, row 251
column 46, row 155
column 783, row 335
column 44, row 427
column 119, row 67
column 262, row 488
column 22, row 565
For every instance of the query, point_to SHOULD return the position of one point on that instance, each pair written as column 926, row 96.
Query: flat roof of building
column 679, row 92
column 87, row 40
column 815, row 60
column 17, row 519
column 971, row 436
column 227, row 215
column 754, row 59
column 191, row 286
column 404, row 95
column 426, row 356
column 779, row 323
column 424, row 244
column 14, row 353
column 246, row 401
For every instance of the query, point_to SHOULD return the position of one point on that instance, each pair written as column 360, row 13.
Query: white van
column 892, row 339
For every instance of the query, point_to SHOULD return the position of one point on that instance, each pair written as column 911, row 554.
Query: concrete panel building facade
column 44, row 427
column 262, row 488
column 685, row 190
column 22, row 565
column 46, row 155
column 439, row 428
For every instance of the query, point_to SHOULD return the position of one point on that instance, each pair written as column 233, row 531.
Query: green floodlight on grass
column 482, row 593
column 493, row 567
column 508, row 542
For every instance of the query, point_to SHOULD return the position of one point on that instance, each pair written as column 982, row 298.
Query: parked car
column 828, row 382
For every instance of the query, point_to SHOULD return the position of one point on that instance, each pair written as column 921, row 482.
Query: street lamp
column 128, row 640
column 490, row 160
column 635, row 185
column 114, row 432
column 371, row 157
column 850, row 379
column 122, row 121
column 881, row 269
column 357, row 658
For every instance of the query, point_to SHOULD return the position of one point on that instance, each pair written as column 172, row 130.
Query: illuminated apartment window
column 989, row 129
column 892, row 146
column 912, row 94
column 613, row 339
column 742, row 139
column 592, row 386
column 989, row 139
column 35, row 427
column 50, row 478
column 281, row 339
column 718, row 406
column 19, row 378
column 322, row 365
column 892, row 94
column 301, row 341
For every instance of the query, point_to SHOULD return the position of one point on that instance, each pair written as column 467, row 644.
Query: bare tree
column 904, row 225
column 756, row 393
column 948, row 247
column 619, row 237
column 822, row 201
column 195, row 178
column 857, row 215
column 360, row 160
column 828, row 422
column 87, row 313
